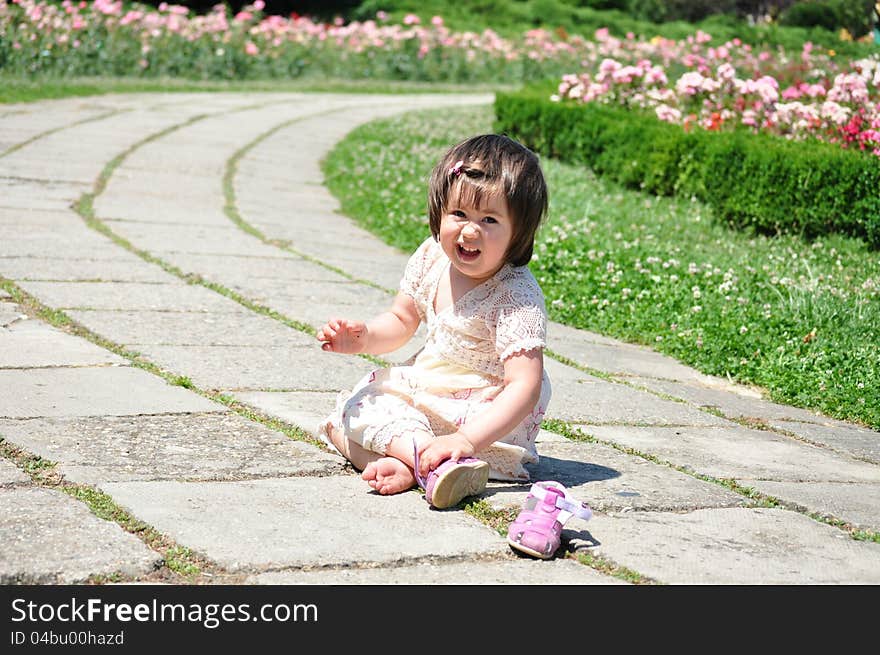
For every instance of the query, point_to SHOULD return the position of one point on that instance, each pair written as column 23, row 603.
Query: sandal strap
column 422, row 482
column 568, row 506
column 531, row 521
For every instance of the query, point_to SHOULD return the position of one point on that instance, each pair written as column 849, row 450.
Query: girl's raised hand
column 342, row 336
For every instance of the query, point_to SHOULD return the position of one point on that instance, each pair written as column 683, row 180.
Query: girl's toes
column 369, row 473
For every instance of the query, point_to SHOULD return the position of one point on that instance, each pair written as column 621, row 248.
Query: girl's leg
column 388, row 474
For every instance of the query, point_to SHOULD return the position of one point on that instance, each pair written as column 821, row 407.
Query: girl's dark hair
column 489, row 164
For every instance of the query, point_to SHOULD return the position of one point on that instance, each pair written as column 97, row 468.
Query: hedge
column 762, row 182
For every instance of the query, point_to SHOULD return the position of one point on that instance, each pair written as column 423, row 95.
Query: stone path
column 189, row 238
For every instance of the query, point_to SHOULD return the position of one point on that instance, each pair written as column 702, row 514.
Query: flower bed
column 105, row 37
column 731, row 86
column 770, row 141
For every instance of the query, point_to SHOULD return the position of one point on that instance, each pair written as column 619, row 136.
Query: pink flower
column 251, row 49
column 411, row 19
column 668, row 114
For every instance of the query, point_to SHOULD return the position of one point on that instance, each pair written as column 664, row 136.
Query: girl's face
column 476, row 239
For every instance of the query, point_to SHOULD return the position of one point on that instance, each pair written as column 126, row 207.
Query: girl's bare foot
column 389, row 475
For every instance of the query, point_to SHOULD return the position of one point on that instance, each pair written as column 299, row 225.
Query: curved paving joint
column 192, row 234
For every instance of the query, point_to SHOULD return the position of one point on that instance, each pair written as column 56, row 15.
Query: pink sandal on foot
column 537, row 530
column 453, row 480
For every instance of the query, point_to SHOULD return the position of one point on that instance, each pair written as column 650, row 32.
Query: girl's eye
column 489, row 219
column 458, row 213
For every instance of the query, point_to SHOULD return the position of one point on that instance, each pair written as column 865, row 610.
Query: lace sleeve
column 414, row 275
column 418, row 264
column 521, row 323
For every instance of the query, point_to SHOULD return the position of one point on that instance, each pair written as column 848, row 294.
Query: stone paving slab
column 132, row 296
column 289, row 367
column 19, row 123
column 317, row 312
column 203, row 186
column 272, row 217
column 114, row 391
column 733, row 405
column 741, row 453
column 127, row 268
column 38, row 218
column 61, row 155
column 102, row 449
column 619, row 358
column 297, row 522
column 32, row 164
column 50, row 538
column 860, row 442
column 10, row 314
column 736, row 546
column 609, row 480
column 158, row 239
column 156, row 209
column 565, row 334
column 34, row 343
column 71, row 241
column 855, row 503
column 135, row 328
column 366, row 262
column 305, row 409
column 312, row 302
column 17, row 195
column 479, row 572
column 587, row 399
column 327, row 228
column 342, row 293
column 380, row 267
column 242, row 272
column 10, row 474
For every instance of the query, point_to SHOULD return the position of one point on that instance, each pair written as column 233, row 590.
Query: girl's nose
column 469, row 230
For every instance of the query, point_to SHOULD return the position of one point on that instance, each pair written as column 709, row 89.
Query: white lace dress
column 459, row 370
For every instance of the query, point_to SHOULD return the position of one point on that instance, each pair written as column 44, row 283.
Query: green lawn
column 801, row 320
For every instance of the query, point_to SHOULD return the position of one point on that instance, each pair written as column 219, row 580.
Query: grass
column 798, row 319
column 14, row 89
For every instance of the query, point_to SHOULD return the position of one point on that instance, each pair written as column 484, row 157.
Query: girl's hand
column 450, row 446
column 343, row 336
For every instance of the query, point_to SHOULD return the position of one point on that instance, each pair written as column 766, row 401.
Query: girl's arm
column 523, row 374
column 386, row 332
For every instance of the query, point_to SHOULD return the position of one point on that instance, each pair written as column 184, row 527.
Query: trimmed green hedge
column 766, row 183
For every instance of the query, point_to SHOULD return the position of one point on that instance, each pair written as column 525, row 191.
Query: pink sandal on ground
column 453, row 480
column 537, row 530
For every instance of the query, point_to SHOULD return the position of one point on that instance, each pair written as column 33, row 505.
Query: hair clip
column 456, row 169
